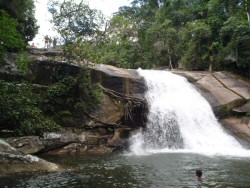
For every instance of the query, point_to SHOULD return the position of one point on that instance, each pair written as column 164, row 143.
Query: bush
column 71, row 97
column 20, row 112
column 23, row 62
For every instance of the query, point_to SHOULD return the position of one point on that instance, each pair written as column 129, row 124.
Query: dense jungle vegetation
column 23, row 110
column 190, row 34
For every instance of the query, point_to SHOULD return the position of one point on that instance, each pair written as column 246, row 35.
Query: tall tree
column 10, row 38
column 74, row 21
column 23, row 11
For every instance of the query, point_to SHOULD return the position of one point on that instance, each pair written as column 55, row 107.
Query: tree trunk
column 248, row 18
column 170, row 60
column 210, row 67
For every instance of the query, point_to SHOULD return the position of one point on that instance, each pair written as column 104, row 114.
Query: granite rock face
column 14, row 161
column 227, row 95
column 240, row 127
column 222, row 90
column 125, row 81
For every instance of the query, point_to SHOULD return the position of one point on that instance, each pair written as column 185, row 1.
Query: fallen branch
column 119, row 95
column 135, row 109
column 104, row 124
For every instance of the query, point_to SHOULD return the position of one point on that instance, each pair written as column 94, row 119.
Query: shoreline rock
column 14, row 161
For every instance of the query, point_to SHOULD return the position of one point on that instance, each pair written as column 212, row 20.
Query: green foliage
column 198, row 37
column 235, row 36
column 79, row 26
column 9, row 36
column 18, row 26
column 74, row 21
column 89, row 93
column 23, row 62
column 224, row 111
column 192, row 34
column 61, row 94
column 71, row 97
column 23, row 12
column 20, row 112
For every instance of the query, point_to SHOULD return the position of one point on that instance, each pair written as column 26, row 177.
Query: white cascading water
column 180, row 120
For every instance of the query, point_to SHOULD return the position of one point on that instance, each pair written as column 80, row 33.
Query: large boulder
column 7, row 148
column 120, row 140
column 125, row 81
column 14, row 161
column 222, row 90
column 91, row 142
column 242, row 110
column 109, row 111
column 240, row 127
column 74, row 148
column 27, row 144
column 57, row 140
column 48, row 71
column 100, row 150
column 46, row 66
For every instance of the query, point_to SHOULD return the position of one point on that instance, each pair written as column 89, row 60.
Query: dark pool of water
column 158, row 170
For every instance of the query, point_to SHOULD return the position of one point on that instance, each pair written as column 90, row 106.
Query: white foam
column 181, row 120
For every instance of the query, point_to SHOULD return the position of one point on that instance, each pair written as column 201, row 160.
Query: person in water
column 199, row 174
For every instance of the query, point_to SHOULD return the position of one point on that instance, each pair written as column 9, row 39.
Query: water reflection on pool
column 158, row 170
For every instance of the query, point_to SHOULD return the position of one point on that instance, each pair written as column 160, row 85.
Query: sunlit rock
column 14, row 161
column 222, row 90
column 58, row 139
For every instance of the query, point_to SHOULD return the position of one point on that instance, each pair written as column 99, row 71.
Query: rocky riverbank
column 107, row 129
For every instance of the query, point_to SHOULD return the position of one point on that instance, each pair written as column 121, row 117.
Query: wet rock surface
column 240, row 127
column 14, row 161
column 222, row 90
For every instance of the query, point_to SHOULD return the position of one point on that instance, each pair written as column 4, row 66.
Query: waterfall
column 180, row 120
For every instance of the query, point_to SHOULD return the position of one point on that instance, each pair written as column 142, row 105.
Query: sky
column 108, row 7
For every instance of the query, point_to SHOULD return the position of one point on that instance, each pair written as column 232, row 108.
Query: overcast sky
column 43, row 16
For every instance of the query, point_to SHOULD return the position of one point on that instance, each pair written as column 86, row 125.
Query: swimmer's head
column 198, row 173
